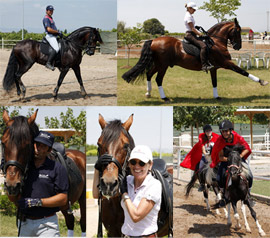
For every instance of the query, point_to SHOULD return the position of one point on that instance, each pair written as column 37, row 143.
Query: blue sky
column 68, row 14
column 152, row 126
column 252, row 13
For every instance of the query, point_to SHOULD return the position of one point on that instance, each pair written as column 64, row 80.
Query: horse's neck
column 220, row 33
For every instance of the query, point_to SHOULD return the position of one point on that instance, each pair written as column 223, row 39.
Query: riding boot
column 50, row 59
column 206, row 65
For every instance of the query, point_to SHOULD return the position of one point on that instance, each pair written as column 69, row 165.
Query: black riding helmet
column 225, row 125
column 207, row 127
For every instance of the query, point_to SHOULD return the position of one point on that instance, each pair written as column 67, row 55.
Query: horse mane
column 20, row 131
column 217, row 27
column 112, row 131
column 80, row 30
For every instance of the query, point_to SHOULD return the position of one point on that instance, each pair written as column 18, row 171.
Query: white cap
column 141, row 152
column 192, row 5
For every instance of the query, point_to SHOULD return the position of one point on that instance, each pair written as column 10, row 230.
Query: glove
column 60, row 33
column 104, row 160
column 25, row 203
column 123, row 184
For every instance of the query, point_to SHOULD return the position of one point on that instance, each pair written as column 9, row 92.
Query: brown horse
column 116, row 143
column 18, row 151
column 158, row 54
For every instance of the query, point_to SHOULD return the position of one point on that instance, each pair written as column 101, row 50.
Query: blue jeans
column 221, row 172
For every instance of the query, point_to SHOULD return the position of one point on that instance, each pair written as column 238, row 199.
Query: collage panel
column 43, row 171
column 222, row 166
column 131, row 147
column 193, row 53
column 59, row 53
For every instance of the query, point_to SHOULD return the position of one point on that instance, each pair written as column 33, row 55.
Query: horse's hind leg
column 82, row 202
column 69, row 218
column 149, row 75
column 253, row 214
column 245, row 216
column 77, row 72
column 205, row 194
column 213, row 73
column 60, row 80
column 159, row 79
column 236, row 216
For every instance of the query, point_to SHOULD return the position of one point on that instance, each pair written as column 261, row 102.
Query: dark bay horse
column 201, row 176
column 158, row 54
column 237, row 188
column 116, row 142
column 27, row 52
column 18, row 151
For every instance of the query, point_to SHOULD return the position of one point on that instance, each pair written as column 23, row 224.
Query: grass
column 192, row 88
column 261, row 187
column 8, row 227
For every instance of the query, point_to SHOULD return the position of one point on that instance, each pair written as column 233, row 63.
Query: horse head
column 234, row 161
column 17, row 150
column 235, row 35
column 114, row 147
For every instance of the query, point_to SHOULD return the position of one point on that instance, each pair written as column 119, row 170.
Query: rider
column 192, row 33
column 199, row 150
column 51, row 34
column 228, row 138
column 45, row 190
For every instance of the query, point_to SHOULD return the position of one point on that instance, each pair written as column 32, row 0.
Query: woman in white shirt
column 192, row 33
column 141, row 196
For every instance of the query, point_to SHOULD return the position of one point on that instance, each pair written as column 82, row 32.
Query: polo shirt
column 49, row 22
column 189, row 18
column 46, row 181
column 151, row 190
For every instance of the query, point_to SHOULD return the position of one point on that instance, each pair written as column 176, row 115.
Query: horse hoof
column 166, row 99
column 262, row 233
column 263, row 83
column 218, row 98
column 86, row 96
column 56, row 99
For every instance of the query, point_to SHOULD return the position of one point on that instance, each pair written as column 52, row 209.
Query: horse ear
column 101, row 121
column 236, row 22
column 6, row 117
column 128, row 122
column 32, row 118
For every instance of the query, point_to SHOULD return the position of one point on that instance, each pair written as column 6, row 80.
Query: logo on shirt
column 44, row 176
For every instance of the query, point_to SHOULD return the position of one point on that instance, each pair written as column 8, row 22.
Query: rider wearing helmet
column 192, row 33
column 228, row 138
column 51, row 34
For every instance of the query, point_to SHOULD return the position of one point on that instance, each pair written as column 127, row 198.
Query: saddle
column 160, row 172
column 194, row 50
column 74, row 175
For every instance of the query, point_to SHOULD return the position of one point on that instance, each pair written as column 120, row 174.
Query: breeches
column 53, row 42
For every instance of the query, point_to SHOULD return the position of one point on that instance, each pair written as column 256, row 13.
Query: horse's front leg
column 77, row 72
column 229, row 221
column 230, row 65
column 213, row 73
column 205, row 194
column 236, row 216
column 60, row 80
column 69, row 218
column 243, row 208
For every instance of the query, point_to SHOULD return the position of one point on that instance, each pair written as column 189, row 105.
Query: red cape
column 195, row 155
column 221, row 143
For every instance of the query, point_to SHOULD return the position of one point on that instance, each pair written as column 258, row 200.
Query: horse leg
column 253, row 214
column 230, row 65
column 60, row 80
column 159, row 80
column 213, row 73
column 229, row 221
column 236, row 215
column 149, row 75
column 82, row 202
column 245, row 216
column 77, row 72
column 205, row 194
column 69, row 218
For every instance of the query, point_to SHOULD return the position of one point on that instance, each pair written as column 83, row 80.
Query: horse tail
column 190, row 185
column 9, row 78
column 144, row 63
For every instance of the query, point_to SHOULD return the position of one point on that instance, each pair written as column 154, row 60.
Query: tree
column 131, row 37
column 220, row 8
column 153, row 27
column 68, row 121
column 121, row 27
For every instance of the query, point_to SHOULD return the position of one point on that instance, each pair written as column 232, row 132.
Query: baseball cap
column 192, row 5
column 141, row 152
column 45, row 137
column 49, row 7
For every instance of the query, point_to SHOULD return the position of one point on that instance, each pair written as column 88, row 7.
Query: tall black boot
column 50, row 59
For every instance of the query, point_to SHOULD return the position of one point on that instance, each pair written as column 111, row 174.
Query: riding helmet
column 49, row 7
column 207, row 127
column 225, row 125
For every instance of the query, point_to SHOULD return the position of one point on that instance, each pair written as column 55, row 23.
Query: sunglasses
column 134, row 162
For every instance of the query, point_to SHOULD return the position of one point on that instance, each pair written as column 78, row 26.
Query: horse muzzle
column 109, row 188
column 12, row 189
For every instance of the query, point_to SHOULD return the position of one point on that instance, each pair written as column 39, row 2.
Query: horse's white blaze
column 161, row 92
column 254, row 78
column 243, row 208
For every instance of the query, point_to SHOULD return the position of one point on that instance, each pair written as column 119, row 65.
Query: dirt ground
column 98, row 74
column 191, row 219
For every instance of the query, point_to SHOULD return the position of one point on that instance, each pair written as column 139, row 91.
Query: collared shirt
column 45, row 181
column 189, row 18
column 151, row 190
column 49, row 22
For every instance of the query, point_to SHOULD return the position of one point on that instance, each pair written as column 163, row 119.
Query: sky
column 152, row 126
column 252, row 13
column 68, row 14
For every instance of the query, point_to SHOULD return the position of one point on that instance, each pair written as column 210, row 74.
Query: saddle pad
column 191, row 49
